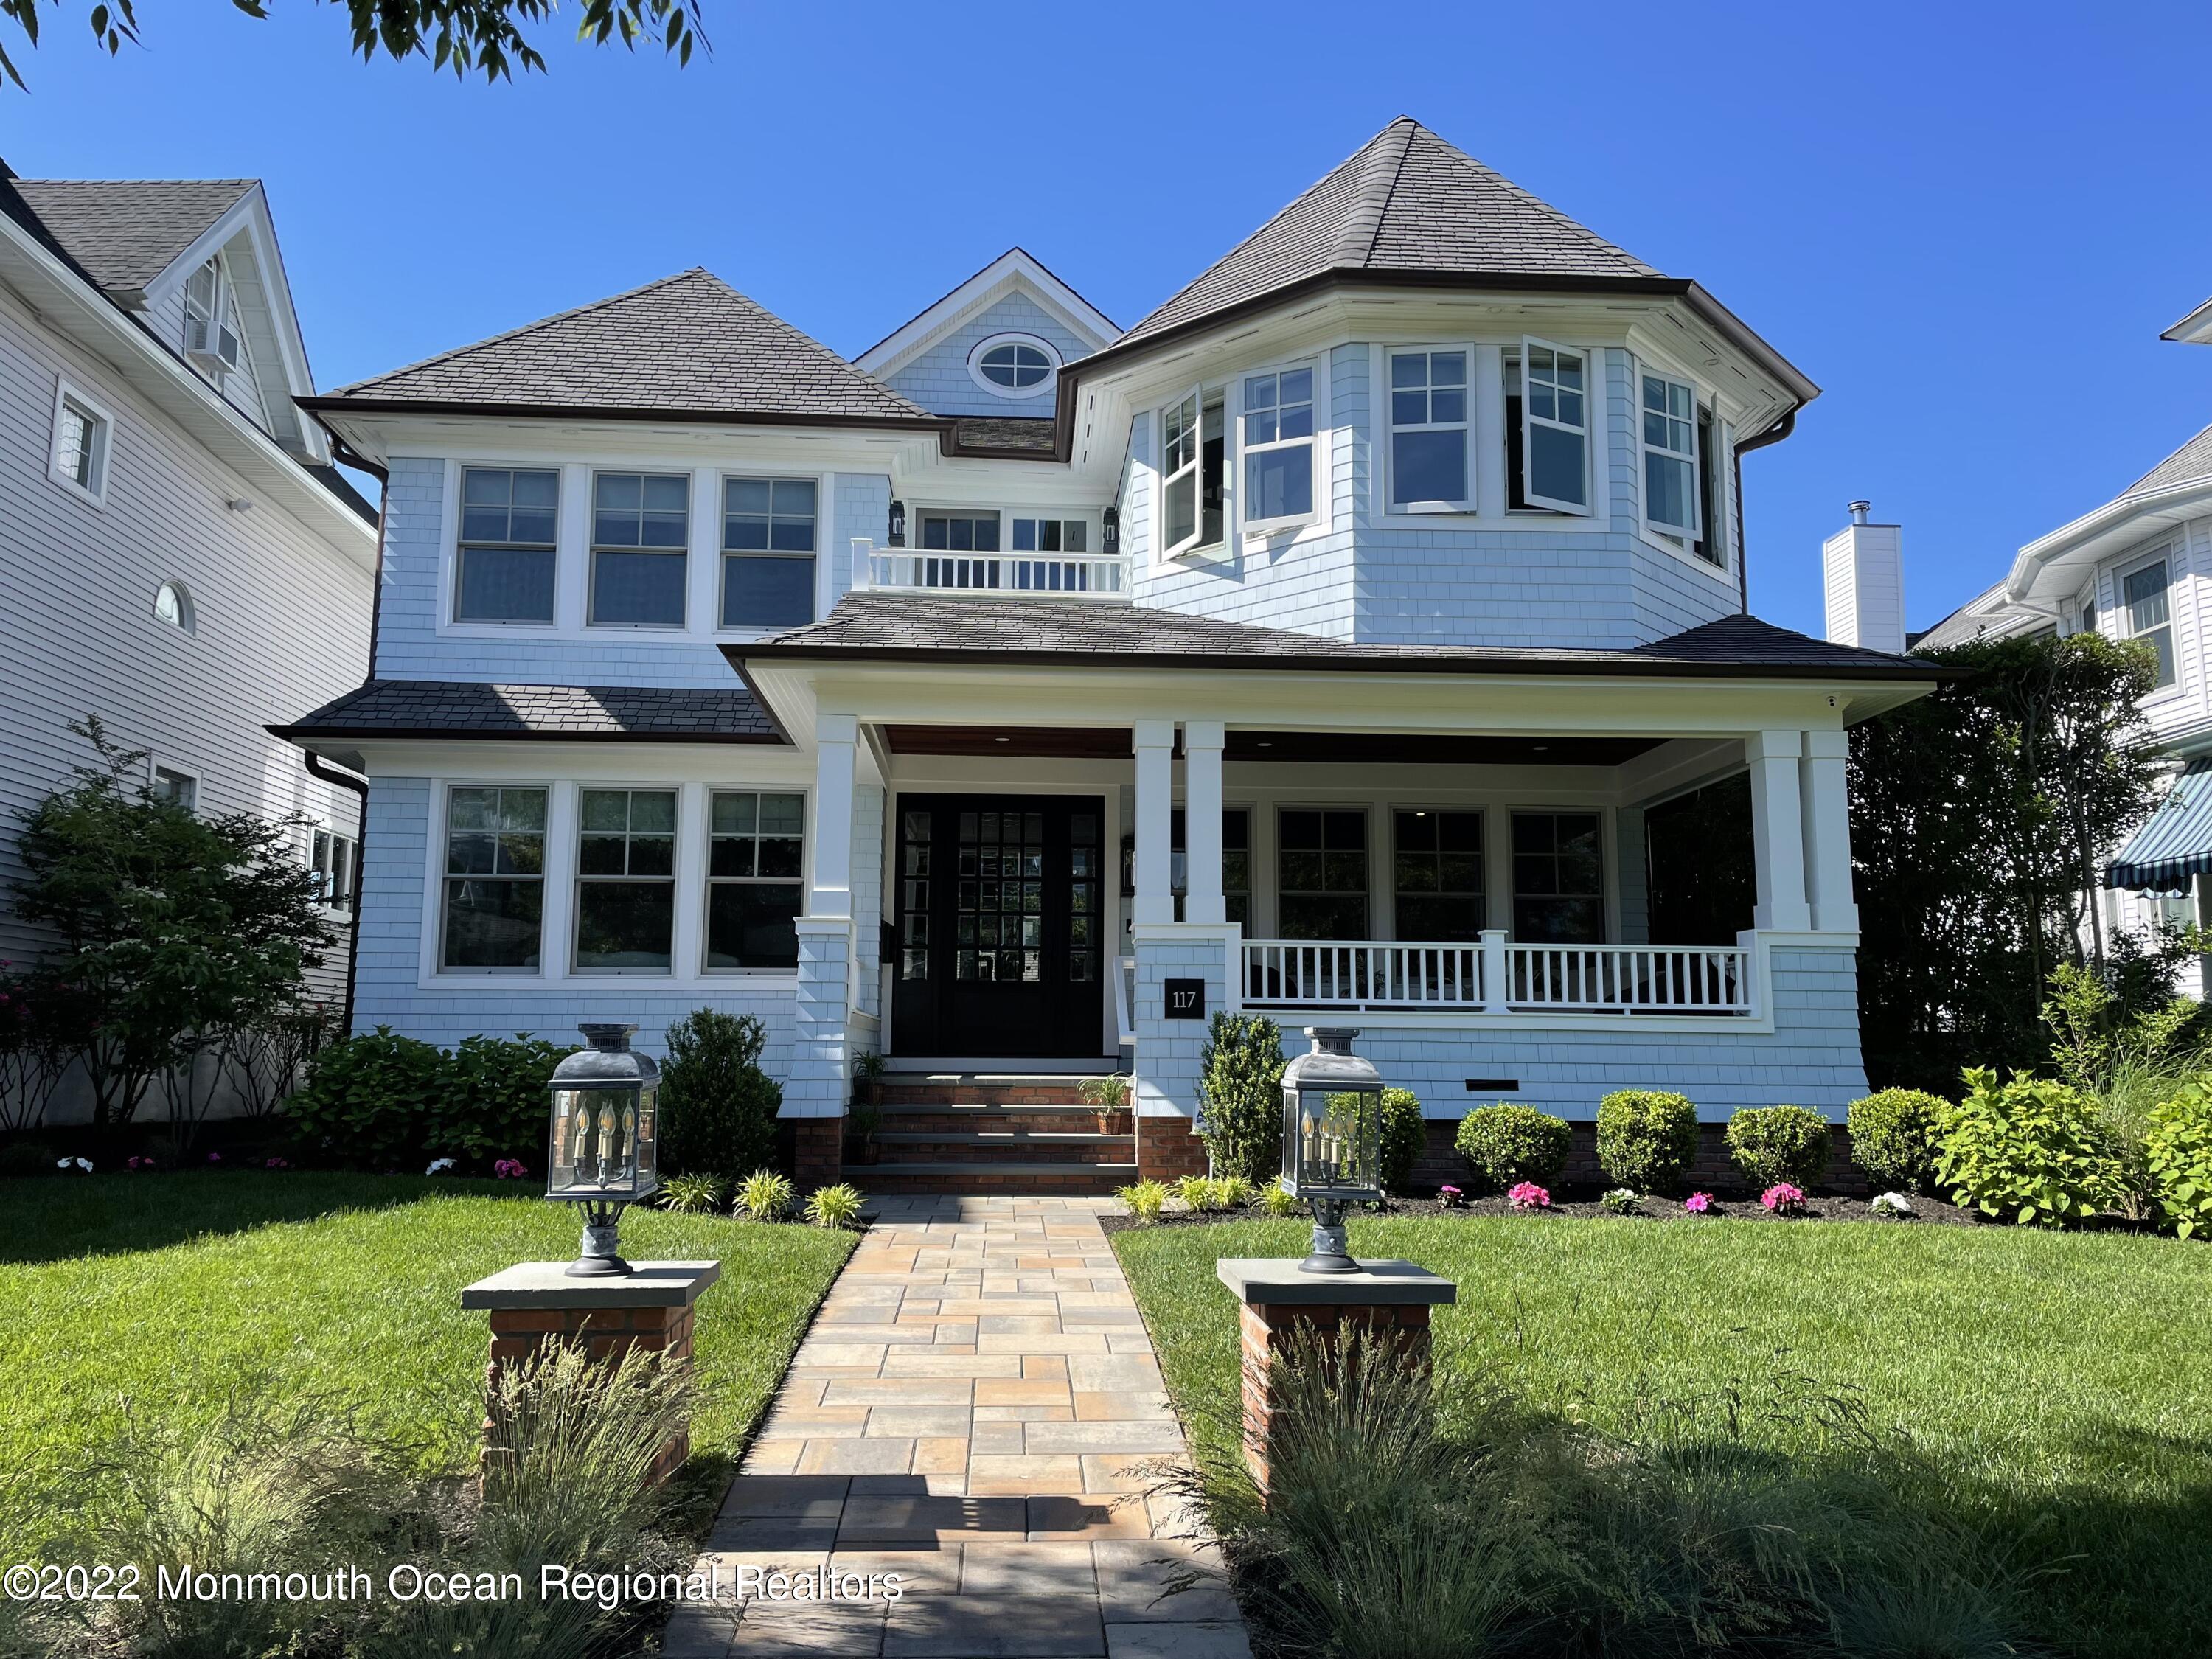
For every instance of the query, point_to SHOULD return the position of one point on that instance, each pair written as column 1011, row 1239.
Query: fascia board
column 1009, row 271
column 2106, row 531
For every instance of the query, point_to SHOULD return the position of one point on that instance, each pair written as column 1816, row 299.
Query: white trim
column 1530, row 420
column 1387, row 423
column 449, row 604
column 1236, row 451
column 591, row 547
column 1164, row 479
column 102, row 422
column 1042, row 388
column 155, row 766
column 1691, row 458
column 824, row 505
column 1013, row 271
column 2168, row 553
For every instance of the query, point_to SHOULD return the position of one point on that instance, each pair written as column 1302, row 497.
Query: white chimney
column 1865, row 567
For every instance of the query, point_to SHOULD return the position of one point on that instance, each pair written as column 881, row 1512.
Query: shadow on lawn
column 63, row 1218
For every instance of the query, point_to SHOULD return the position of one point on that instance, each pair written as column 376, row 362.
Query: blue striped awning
column 2176, row 843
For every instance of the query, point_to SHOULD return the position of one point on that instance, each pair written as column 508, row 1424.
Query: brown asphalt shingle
column 471, row 708
column 125, row 232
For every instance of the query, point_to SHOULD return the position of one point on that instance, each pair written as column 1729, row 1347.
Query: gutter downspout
column 319, row 767
column 1773, row 434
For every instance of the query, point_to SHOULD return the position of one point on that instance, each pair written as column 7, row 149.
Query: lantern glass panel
column 646, row 1155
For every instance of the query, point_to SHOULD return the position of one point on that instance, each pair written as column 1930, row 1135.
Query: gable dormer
column 993, row 346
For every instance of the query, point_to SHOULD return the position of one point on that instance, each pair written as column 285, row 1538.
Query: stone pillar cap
column 547, row 1285
column 1278, row 1281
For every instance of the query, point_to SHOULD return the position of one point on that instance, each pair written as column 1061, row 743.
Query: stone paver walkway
column 971, row 1411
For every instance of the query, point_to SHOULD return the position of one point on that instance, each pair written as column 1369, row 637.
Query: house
column 2138, row 568
column 1359, row 638
column 177, row 554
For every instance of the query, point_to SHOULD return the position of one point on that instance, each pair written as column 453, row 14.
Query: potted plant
column 1107, row 1096
column 862, row 1114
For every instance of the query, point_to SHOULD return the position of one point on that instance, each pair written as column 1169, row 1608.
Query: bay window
column 767, row 551
column 2146, row 614
column 494, row 886
column 1553, row 425
column 641, row 526
column 626, row 880
column 1278, row 444
column 756, row 864
column 1669, row 415
column 503, row 566
column 1429, row 470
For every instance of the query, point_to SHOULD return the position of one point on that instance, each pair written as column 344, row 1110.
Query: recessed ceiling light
column 1263, row 743
column 1541, row 748
column 1002, row 740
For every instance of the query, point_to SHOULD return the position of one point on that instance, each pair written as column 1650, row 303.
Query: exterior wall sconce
column 898, row 524
column 1111, row 540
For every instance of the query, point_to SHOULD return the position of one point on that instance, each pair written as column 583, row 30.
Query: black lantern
column 1112, row 539
column 898, row 524
column 1332, row 1140
column 605, row 1150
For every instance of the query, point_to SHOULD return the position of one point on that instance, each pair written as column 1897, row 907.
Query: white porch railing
column 1000, row 575
column 1496, row 977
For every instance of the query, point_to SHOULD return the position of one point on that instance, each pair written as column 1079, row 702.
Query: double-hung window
column 174, row 788
column 1277, row 443
column 626, row 880
column 1553, row 427
column 2147, row 613
column 504, row 562
column 755, row 864
column 1437, row 874
column 331, row 858
column 640, row 529
column 80, row 457
column 767, row 551
column 1429, row 470
column 1322, row 874
column 1711, row 543
column 1558, row 878
column 1670, row 455
column 495, row 878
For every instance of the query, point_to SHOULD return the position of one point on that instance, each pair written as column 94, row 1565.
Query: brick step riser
column 1001, row 1118
column 985, row 1094
column 952, row 1150
column 884, row 1180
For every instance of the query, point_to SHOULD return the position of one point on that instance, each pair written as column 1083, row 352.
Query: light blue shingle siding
column 938, row 380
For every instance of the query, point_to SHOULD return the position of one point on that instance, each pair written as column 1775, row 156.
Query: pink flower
column 1783, row 1199
column 509, row 1169
column 1450, row 1195
column 214, row 1158
column 1697, row 1203
column 1527, row 1195
column 278, row 1163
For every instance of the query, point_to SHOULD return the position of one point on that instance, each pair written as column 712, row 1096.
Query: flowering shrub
column 440, row 1166
column 1527, row 1195
column 1890, row 1204
column 1697, row 1203
column 1783, row 1199
column 73, row 1166
column 214, row 1158
column 278, row 1163
column 1450, row 1196
column 1621, row 1200
column 509, row 1169
column 140, row 1163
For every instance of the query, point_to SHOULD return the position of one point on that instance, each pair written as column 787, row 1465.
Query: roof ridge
column 1365, row 225
column 241, row 183
column 527, row 328
column 1535, row 201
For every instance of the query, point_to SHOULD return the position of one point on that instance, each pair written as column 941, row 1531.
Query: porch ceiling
column 1061, row 742
column 1410, row 749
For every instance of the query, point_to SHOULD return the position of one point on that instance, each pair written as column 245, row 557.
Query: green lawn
column 2057, row 1385
column 176, row 1292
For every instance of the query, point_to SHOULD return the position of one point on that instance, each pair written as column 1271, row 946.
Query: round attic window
column 174, row 605
column 1013, row 365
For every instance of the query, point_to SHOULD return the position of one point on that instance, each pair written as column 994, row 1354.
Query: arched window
column 174, row 605
column 1013, row 365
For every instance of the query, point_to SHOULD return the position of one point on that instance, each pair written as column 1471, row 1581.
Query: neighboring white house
column 178, row 555
column 1359, row 638
column 2140, row 567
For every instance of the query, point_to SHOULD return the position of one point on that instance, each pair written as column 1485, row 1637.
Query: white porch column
column 1825, row 799
column 1778, row 831
column 1154, row 742
column 1201, row 821
column 836, row 741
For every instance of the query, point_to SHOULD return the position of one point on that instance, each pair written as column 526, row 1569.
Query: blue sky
column 1966, row 223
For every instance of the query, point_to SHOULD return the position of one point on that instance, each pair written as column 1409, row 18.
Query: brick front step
column 991, row 1175
column 979, row 1088
column 1056, row 1148
column 972, row 1117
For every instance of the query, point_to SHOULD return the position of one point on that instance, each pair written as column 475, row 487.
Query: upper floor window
column 210, row 341
column 641, row 526
column 1051, row 535
column 1279, row 448
column 2148, row 615
column 767, row 551
column 504, row 565
column 1548, row 428
column 174, row 605
column 960, row 532
column 1670, row 455
column 1193, row 455
column 626, row 880
column 1429, row 470
column 1013, row 365
column 494, row 866
column 332, row 857
column 81, row 429
column 1711, row 542
column 175, row 788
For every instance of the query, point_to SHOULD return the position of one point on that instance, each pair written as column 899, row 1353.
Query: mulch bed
column 1924, row 1210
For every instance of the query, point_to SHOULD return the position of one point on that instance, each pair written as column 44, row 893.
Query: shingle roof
column 1407, row 201
column 391, row 708
column 1002, row 432
column 921, row 627
column 689, row 344
column 2192, row 460
column 126, row 232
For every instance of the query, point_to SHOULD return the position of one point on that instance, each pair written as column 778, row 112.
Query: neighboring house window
column 332, row 857
column 211, row 342
column 1559, row 879
column 1712, row 543
column 1013, row 365
column 1429, row 468
column 1051, row 535
column 1548, row 428
column 640, row 525
column 175, row 788
column 2149, row 616
column 174, row 605
column 1436, row 875
column 1279, row 448
column 1322, row 874
column 495, row 878
column 82, row 430
column 756, row 864
column 1670, row 455
column 960, row 532
column 767, row 551
column 2087, row 624
column 626, row 880
column 504, row 569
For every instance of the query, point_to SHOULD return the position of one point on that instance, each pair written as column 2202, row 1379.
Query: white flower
column 439, row 1166
column 85, row 1165
column 64, row 1163
column 1891, row 1204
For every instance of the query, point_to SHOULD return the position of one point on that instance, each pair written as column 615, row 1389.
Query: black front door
column 1001, row 929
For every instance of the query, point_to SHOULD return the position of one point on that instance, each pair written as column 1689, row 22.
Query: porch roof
column 2174, row 846
column 922, row 627
column 462, row 709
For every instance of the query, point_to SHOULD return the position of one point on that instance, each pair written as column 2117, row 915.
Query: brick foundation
column 1167, row 1148
column 817, row 1151
column 1714, row 1171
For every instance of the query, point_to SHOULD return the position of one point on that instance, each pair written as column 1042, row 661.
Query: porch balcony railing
column 1494, row 977
column 997, row 576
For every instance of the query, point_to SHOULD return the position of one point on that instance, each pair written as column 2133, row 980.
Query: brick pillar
column 535, row 1303
column 817, row 1151
column 1167, row 1147
column 1387, row 1300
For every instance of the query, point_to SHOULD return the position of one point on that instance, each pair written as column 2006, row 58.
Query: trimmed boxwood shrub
column 2030, row 1151
column 1894, row 1137
column 1404, row 1134
column 1773, row 1144
column 1240, row 1095
column 381, row 1101
column 1507, row 1145
column 717, row 1106
column 1647, row 1139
